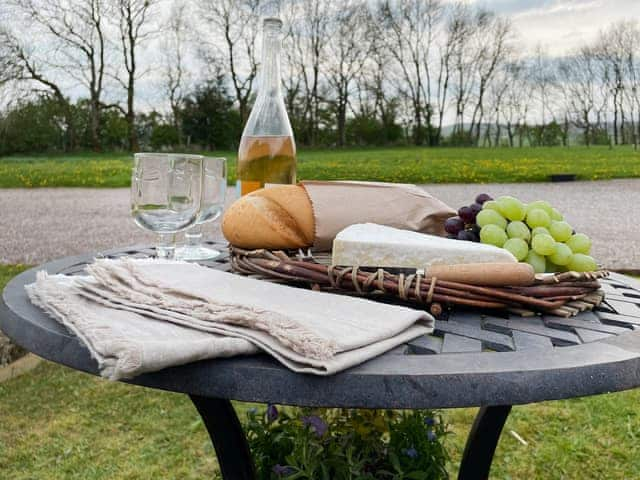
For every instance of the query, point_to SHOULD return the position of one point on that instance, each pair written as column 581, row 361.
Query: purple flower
column 410, row 452
column 315, row 422
column 282, row 470
column 272, row 413
column 431, row 435
column 429, row 421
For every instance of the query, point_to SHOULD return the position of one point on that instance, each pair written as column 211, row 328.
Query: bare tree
column 542, row 74
column 581, row 88
column 18, row 65
column 237, row 22
column 348, row 51
column 78, row 46
column 306, row 55
column 492, row 48
column 175, row 71
column 411, row 27
column 134, row 28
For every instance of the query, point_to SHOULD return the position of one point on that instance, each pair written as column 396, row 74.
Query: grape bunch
column 535, row 233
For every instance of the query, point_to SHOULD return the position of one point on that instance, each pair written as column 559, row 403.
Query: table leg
column 227, row 437
column 482, row 442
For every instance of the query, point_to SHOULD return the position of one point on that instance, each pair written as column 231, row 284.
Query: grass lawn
column 56, row 423
column 409, row 164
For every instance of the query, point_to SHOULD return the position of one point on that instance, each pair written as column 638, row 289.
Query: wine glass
column 165, row 195
column 214, row 190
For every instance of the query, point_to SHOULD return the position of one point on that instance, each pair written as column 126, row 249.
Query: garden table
column 480, row 359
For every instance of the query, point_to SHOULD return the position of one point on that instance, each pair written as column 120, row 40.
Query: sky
column 562, row 25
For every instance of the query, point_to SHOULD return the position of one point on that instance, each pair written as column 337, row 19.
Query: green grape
column 493, row 235
column 543, row 244
column 491, row 205
column 538, row 231
column 538, row 262
column 556, row 215
column 517, row 247
column 546, row 206
column 511, row 208
column 561, row 231
column 538, row 218
column 579, row 243
column 491, row 217
column 582, row 263
column 518, row 230
column 562, row 254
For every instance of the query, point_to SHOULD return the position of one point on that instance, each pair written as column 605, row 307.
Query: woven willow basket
column 562, row 294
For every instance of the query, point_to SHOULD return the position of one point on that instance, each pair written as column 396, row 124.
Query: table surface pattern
column 472, row 358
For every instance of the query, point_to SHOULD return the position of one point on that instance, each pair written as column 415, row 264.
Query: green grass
column 57, row 423
column 409, row 164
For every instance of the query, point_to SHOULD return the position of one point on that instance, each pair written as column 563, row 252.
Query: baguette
column 273, row 218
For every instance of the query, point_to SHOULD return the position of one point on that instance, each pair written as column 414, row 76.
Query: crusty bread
column 274, row 218
column 295, row 200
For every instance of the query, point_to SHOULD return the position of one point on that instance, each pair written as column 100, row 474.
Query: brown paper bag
column 336, row 205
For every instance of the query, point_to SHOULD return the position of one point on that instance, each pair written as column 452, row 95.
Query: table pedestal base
column 227, row 437
column 482, row 442
column 236, row 463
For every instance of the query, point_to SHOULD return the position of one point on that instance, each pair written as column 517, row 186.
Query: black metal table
column 492, row 362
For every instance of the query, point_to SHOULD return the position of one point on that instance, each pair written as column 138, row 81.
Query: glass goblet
column 165, row 195
column 214, row 191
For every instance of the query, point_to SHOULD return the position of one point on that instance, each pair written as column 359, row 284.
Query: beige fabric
column 138, row 316
column 336, row 205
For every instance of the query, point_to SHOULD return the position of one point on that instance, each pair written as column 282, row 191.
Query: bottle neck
column 270, row 85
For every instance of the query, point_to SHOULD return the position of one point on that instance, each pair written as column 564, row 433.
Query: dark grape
column 466, row 235
column 453, row 225
column 473, row 236
column 467, row 214
column 475, row 229
column 483, row 197
column 452, row 236
column 476, row 208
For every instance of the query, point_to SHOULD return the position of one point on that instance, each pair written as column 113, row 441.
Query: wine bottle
column 267, row 153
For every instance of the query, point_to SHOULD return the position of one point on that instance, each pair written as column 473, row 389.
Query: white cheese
column 372, row 245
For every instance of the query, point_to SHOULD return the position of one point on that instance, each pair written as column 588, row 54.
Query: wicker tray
column 562, row 294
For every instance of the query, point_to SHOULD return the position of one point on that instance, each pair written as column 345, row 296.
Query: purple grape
column 473, row 236
column 452, row 236
column 483, row 197
column 475, row 229
column 467, row 215
column 453, row 225
column 466, row 235
column 476, row 208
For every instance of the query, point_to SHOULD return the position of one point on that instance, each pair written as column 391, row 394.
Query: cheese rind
column 372, row 245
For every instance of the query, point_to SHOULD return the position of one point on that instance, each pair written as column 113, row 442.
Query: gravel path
column 42, row 224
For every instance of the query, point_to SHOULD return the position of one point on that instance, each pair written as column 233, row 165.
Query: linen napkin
column 142, row 315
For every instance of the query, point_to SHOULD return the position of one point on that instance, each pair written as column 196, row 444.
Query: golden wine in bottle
column 267, row 153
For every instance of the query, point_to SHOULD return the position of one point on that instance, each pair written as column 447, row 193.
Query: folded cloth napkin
column 142, row 315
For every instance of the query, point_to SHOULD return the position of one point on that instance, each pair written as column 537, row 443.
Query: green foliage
column 33, row 126
column 164, row 136
column 343, row 444
column 549, row 135
column 368, row 130
column 209, row 119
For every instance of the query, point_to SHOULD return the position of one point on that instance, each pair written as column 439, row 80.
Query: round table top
column 471, row 359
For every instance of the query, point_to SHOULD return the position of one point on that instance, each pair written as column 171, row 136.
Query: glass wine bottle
column 267, row 153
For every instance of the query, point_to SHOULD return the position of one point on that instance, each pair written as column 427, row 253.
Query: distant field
column 410, row 164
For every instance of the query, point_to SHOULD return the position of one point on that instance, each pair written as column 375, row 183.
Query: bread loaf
column 313, row 213
column 274, row 218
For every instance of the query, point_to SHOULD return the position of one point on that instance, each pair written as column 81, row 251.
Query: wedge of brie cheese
column 372, row 245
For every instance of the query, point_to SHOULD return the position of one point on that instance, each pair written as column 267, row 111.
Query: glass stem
column 193, row 236
column 166, row 248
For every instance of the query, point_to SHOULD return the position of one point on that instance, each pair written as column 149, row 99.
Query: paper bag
column 336, row 205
